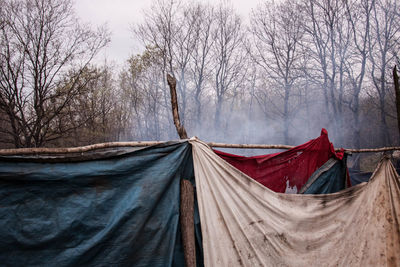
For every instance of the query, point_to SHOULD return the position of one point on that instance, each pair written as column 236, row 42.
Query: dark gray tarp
column 358, row 177
column 118, row 211
column 329, row 178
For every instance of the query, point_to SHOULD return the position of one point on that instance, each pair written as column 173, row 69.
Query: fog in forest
column 277, row 76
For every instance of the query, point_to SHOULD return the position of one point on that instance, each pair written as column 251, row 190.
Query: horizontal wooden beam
column 261, row 146
column 66, row 150
column 81, row 149
column 365, row 150
column 255, row 146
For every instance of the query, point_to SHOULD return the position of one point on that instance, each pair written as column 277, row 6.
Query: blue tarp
column 118, row 211
column 329, row 178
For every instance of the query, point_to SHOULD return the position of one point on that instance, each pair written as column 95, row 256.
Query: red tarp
column 286, row 171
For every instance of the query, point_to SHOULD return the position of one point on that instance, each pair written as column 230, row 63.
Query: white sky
column 119, row 15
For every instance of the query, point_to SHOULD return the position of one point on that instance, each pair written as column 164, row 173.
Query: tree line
column 276, row 76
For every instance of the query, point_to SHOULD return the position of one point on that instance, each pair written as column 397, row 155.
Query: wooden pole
column 187, row 222
column 256, row 146
column 174, row 105
column 187, row 191
column 397, row 91
column 82, row 149
column 261, row 146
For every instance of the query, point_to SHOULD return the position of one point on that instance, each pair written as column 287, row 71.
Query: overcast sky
column 119, row 15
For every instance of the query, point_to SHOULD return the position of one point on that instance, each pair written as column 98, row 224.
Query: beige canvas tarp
column 246, row 224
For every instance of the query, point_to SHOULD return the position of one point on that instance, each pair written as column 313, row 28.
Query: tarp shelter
column 123, row 210
column 246, row 224
column 286, row 171
column 115, row 211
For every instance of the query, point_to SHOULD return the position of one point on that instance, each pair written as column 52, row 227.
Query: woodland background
column 279, row 76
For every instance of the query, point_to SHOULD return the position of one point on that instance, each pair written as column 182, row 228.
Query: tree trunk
column 218, row 114
column 357, row 130
column 384, row 127
column 286, row 117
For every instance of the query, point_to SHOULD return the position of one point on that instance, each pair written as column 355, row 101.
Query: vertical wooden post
column 397, row 91
column 187, row 223
column 174, row 105
column 187, row 191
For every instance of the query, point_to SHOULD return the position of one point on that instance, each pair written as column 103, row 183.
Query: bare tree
column 201, row 56
column 143, row 96
column 277, row 33
column 359, row 15
column 330, row 37
column 183, row 32
column 91, row 114
column 385, row 31
column 228, row 57
column 307, row 59
column 166, row 29
column 185, row 40
column 41, row 42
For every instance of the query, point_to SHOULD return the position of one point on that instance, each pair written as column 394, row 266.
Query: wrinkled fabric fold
column 246, row 224
column 288, row 171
